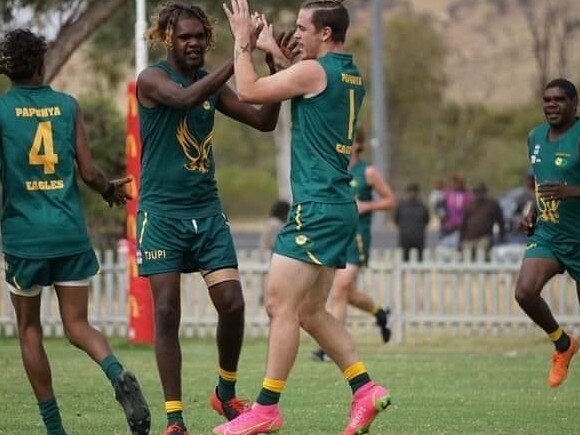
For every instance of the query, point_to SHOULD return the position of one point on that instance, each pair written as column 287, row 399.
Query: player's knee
column 277, row 307
column 166, row 318
column 75, row 332
column 524, row 292
column 228, row 298
column 231, row 306
column 30, row 333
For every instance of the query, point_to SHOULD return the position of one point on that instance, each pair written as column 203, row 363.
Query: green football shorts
column 358, row 251
column 318, row 233
column 26, row 276
column 566, row 253
column 167, row 244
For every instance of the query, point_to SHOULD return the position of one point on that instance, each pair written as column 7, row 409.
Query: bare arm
column 155, row 87
column 264, row 118
column 305, row 77
column 89, row 172
column 112, row 191
column 386, row 198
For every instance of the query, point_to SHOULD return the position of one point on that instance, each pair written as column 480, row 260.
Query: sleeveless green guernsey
column 323, row 127
column 556, row 161
column 42, row 215
column 177, row 164
column 361, row 190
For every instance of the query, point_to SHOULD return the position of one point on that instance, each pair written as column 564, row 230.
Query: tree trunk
column 72, row 35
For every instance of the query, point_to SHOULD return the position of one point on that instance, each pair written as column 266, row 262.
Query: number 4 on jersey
column 43, row 142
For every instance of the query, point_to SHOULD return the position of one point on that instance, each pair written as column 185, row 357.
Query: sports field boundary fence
column 446, row 293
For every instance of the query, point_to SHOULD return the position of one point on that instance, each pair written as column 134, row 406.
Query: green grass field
column 439, row 386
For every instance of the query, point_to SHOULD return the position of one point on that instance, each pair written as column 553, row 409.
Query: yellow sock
column 173, row 406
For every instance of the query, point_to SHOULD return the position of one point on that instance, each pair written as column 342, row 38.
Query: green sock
column 175, row 417
column 51, row 417
column 563, row 343
column 359, row 381
column 226, row 390
column 112, row 368
column 268, row 397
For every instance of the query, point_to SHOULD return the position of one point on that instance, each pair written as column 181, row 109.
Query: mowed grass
column 440, row 385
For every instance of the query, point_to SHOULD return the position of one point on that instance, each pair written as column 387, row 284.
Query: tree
column 552, row 27
column 74, row 21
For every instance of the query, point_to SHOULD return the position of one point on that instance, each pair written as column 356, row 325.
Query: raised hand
column 288, row 45
column 241, row 23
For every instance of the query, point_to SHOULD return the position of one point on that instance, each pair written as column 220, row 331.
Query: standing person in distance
column 44, row 234
column 326, row 90
column 412, row 217
column 366, row 180
column 554, row 244
column 181, row 226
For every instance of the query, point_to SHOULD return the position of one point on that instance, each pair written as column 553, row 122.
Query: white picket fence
column 445, row 293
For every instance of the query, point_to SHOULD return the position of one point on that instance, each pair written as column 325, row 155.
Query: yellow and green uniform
column 43, row 223
column 323, row 217
column 556, row 234
column 358, row 250
column 180, row 213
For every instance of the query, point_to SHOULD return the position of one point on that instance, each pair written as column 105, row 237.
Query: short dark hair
column 412, row 187
column 566, row 85
column 21, row 54
column 329, row 13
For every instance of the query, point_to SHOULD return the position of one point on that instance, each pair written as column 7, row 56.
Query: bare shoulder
column 308, row 66
column 150, row 75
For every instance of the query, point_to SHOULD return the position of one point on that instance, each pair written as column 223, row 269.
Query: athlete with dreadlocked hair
column 44, row 234
column 327, row 91
column 181, row 226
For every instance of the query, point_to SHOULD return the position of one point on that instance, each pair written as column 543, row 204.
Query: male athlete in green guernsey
column 554, row 245
column 366, row 179
column 326, row 90
column 44, row 234
column 181, row 227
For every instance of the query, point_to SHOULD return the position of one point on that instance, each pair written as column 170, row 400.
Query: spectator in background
column 478, row 221
column 412, row 217
column 455, row 201
column 437, row 199
column 277, row 217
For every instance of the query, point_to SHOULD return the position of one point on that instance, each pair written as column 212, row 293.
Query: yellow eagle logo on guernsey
column 196, row 153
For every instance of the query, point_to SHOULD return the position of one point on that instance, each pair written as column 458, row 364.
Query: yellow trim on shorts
column 298, row 216
column 221, row 275
column 143, row 228
column 313, row 258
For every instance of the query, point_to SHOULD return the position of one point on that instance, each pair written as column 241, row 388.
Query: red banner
column 140, row 298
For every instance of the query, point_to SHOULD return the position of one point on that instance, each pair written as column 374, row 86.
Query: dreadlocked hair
column 21, row 54
column 329, row 13
column 165, row 19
